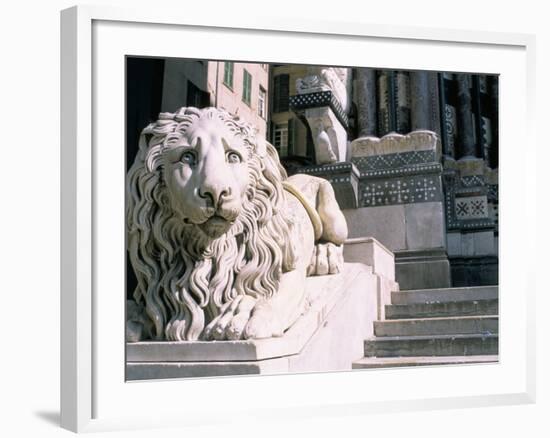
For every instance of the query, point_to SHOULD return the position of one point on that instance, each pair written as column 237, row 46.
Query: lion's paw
column 327, row 258
column 264, row 322
column 243, row 318
column 231, row 321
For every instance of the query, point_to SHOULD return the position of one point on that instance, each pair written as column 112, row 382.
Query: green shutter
column 247, row 87
column 228, row 74
column 280, row 93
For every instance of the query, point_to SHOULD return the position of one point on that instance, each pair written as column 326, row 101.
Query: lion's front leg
column 255, row 318
column 327, row 258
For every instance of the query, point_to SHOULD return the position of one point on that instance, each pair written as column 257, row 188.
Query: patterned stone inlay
column 406, row 190
column 417, row 169
column 334, row 173
column 392, row 161
column 330, row 168
column 318, row 99
column 474, row 207
column 472, row 181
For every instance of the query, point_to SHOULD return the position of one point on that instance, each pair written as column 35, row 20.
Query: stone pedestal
column 371, row 252
column 472, row 221
column 329, row 336
column 401, row 204
column 423, row 269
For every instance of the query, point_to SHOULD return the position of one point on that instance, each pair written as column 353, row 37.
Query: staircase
column 435, row 327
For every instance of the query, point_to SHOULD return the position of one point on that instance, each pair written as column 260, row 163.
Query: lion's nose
column 214, row 194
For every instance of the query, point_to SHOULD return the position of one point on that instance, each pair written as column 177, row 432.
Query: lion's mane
column 184, row 277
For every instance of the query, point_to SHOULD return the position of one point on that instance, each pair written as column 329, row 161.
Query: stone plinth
column 401, row 204
column 371, row 252
column 472, row 221
column 327, row 337
column 415, row 233
column 423, row 269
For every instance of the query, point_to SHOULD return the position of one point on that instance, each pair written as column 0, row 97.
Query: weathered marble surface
column 220, row 239
column 371, row 252
column 334, row 79
column 415, row 233
column 328, row 132
column 394, row 143
column 327, row 337
column 329, row 136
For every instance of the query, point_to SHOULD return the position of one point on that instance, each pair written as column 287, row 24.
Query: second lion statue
column 220, row 239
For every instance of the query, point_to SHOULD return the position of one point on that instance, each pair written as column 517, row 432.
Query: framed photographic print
column 310, row 206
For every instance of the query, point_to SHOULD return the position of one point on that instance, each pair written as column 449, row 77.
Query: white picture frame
column 93, row 397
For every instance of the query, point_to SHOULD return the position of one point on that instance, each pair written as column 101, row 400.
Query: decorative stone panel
column 404, row 190
column 473, row 207
column 301, row 102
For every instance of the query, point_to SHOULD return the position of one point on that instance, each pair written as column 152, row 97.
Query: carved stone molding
column 333, row 79
column 394, row 143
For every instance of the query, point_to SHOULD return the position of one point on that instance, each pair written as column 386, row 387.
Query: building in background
column 239, row 88
column 288, row 133
column 157, row 85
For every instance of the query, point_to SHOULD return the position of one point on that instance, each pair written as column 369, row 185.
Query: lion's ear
column 261, row 147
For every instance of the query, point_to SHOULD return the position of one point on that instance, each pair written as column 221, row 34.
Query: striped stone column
column 420, row 101
column 464, row 118
column 365, row 83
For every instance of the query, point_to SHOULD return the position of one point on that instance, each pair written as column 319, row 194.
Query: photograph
column 299, row 218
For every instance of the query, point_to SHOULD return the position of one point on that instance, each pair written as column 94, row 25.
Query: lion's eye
column 189, row 158
column 233, row 157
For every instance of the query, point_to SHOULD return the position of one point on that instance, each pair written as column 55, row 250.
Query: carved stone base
column 327, row 337
column 428, row 269
column 474, row 270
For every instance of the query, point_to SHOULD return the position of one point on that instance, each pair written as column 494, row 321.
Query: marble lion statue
column 220, row 239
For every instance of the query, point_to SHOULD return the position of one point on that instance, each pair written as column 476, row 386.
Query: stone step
column 433, row 310
column 412, row 361
column 436, row 345
column 437, row 326
column 445, row 295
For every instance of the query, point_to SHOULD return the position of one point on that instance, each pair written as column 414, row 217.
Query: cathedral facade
column 413, row 158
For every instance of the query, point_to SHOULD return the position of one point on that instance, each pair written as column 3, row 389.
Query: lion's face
column 206, row 176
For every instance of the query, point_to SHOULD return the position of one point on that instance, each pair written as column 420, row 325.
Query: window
column 280, row 93
column 197, row 97
column 261, row 103
column 228, row 74
column 280, row 139
column 247, row 87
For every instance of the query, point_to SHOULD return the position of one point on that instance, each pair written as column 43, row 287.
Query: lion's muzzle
column 215, row 226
